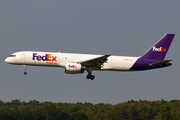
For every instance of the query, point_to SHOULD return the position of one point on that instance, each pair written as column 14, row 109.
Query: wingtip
column 107, row 54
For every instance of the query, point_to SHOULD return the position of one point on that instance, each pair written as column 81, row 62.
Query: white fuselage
column 78, row 63
column 52, row 59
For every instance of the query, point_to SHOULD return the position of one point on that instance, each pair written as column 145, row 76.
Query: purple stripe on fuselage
column 144, row 64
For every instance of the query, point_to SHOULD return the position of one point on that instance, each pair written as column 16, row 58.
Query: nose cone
column 7, row 60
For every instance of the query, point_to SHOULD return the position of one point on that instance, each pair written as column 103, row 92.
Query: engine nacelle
column 74, row 68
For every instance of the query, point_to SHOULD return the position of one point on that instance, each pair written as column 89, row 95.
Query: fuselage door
column 23, row 57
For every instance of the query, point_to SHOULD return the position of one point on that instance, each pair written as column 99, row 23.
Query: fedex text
column 46, row 57
column 72, row 66
column 161, row 49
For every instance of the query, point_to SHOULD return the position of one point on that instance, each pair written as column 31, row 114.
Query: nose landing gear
column 25, row 73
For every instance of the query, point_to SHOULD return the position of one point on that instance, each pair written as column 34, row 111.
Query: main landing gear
column 90, row 76
column 25, row 73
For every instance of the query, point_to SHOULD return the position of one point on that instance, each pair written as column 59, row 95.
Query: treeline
column 130, row 110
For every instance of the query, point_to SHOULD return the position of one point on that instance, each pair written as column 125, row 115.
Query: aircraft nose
column 7, row 60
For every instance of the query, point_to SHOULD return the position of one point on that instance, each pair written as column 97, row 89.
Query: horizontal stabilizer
column 160, row 63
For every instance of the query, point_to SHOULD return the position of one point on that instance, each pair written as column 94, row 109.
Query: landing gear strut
column 90, row 76
column 25, row 73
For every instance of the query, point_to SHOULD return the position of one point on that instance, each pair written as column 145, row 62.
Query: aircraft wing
column 161, row 62
column 98, row 62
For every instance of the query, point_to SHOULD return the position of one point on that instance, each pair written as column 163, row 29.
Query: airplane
column 78, row 63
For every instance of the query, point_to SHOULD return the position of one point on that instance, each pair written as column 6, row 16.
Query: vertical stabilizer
column 159, row 50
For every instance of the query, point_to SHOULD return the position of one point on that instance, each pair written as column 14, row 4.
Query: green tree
column 82, row 116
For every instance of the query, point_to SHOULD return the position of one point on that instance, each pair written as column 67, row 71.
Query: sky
column 117, row 27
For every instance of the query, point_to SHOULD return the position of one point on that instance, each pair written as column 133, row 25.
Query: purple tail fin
column 159, row 50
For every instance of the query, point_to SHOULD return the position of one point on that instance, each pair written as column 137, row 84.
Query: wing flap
column 96, row 61
column 160, row 62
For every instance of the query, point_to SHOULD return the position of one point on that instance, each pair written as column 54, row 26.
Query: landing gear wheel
column 92, row 77
column 24, row 66
column 89, row 70
column 88, row 76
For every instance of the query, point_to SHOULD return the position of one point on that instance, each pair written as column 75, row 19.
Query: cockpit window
column 12, row 55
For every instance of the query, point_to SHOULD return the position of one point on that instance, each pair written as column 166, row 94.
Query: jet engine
column 74, row 68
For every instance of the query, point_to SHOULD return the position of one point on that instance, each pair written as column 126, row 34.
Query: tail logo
column 161, row 49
